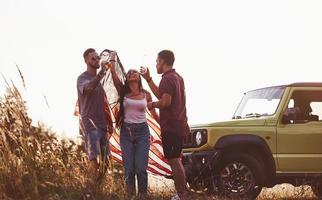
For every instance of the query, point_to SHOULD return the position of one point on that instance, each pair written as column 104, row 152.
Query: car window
column 317, row 109
column 264, row 106
column 305, row 106
column 291, row 103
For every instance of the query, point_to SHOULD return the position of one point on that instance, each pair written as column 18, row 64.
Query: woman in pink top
column 135, row 134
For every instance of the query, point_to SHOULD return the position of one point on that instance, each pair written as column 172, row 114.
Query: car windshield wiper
column 237, row 117
column 250, row 115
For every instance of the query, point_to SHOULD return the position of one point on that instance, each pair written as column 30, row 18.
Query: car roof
column 297, row 84
column 306, row 84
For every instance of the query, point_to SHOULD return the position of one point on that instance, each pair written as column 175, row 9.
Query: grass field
column 34, row 164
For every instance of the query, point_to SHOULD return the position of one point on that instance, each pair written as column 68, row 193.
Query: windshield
column 258, row 103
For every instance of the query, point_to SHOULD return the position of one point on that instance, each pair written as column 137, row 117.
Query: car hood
column 233, row 123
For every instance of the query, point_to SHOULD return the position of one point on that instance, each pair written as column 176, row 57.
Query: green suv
column 275, row 137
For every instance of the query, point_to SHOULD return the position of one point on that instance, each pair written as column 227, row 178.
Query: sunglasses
column 132, row 72
column 95, row 58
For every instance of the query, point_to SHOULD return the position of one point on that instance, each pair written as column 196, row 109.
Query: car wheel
column 239, row 176
column 201, row 187
column 202, row 184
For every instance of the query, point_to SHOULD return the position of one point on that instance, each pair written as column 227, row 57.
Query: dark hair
column 125, row 89
column 88, row 51
column 167, row 56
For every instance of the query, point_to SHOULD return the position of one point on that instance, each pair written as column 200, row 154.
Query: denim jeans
column 96, row 144
column 135, row 144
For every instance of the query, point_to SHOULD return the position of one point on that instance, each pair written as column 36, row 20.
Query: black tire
column 201, row 188
column 317, row 189
column 202, row 184
column 239, row 176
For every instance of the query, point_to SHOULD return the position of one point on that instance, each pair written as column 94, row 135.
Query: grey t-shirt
column 91, row 104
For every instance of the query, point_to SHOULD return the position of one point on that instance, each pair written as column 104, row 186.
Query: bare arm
column 164, row 102
column 154, row 88
column 145, row 73
column 89, row 86
column 117, row 82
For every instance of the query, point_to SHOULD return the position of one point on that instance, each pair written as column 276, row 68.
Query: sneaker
column 175, row 197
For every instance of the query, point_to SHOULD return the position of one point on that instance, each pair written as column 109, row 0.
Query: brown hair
column 125, row 89
column 88, row 51
column 167, row 56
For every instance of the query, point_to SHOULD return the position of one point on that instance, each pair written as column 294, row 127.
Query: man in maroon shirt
column 173, row 115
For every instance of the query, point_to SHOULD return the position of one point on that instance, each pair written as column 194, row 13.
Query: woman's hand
column 112, row 60
column 113, row 56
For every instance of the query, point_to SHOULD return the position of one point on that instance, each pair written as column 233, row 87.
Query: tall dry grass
column 34, row 164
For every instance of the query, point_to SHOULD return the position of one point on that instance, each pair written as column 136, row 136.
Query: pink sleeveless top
column 134, row 110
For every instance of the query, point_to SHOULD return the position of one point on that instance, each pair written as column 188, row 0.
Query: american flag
column 157, row 164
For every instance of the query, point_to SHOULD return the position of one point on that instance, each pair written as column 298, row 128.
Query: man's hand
column 145, row 73
column 113, row 57
column 105, row 65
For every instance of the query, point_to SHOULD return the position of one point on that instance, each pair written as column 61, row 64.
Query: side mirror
column 290, row 115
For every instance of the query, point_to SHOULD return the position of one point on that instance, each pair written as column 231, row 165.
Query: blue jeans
column 96, row 144
column 135, row 144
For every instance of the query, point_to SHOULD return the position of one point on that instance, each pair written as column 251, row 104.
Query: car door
column 299, row 142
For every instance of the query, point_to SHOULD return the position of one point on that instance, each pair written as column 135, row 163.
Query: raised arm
column 145, row 73
column 86, row 86
column 117, row 82
column 167, row 90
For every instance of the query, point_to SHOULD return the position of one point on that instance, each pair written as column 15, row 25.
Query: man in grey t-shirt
column 91, row 99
